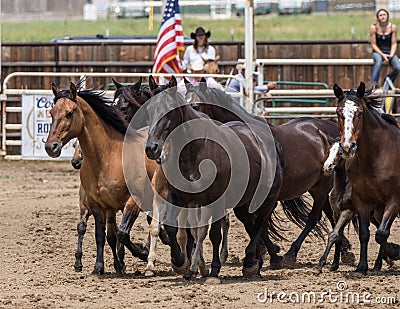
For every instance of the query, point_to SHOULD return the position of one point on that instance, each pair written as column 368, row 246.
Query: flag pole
column 248, row 52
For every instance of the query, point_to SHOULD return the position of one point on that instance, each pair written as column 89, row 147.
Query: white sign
column 36, row 122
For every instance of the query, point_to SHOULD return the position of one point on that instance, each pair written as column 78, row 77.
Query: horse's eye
column 69, row 115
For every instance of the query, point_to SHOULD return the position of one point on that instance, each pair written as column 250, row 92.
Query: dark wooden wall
column 129, row 57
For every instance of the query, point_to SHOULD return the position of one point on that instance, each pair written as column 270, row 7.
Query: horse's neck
column 98, row 140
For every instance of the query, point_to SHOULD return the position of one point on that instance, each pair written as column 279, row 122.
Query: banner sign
column 36, row 122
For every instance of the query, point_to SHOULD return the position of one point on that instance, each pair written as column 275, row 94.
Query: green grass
column 268, row 28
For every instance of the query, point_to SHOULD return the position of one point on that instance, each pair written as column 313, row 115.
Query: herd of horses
column 348, row 168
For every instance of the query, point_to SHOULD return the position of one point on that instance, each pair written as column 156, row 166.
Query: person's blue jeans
column 376, row 69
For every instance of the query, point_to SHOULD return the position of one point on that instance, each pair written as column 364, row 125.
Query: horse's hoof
column 276, row 263
column 119, row 273
column 317, row 271
column 389, row 261
column 334, row 267
column 149, row 273
column 204, row 272
column 181, row 270
column 251, row 272
column 348, row 258
column 190, row 275
column 78, row 269
column 288, row 261
column 97, row 273
column 212, row 281
column 361, row 270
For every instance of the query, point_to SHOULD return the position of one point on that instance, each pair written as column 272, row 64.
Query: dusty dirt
column 39, row 212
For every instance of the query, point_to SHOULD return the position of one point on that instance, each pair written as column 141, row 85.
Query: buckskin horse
column 212, row 186
column 370, row 143
column 100, row 129
column 305, row 144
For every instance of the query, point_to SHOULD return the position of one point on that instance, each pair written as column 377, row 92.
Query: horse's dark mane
column 100, row 104
column 373, row 102
column 219, row 97
column 104, row 108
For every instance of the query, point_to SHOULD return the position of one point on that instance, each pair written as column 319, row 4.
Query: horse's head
column 165, row 114
column 67, row 119
column 333, row 159
column 129, row 98
column 211, row 67
column 194, row 93
column 77, row 158
column 349, row 110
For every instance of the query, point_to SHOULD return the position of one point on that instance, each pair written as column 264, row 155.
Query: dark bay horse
column 130, row 97
column 100, row 130
column 305, row 144
column 370, row 144
column 212, row 154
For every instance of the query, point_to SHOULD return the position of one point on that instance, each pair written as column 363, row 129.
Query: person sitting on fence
column 201, row 50
column 198, row 68
column 383, row 37
column 234, row 84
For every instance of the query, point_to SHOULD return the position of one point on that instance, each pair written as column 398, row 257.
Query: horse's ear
column 55, row 89
column 72, row 90
column 203, row 85
column 188, row 84
column 338, row 91
column 116, row 84
column 137, row 85
column 172, row 83
column 361, row 90
column 152, row 83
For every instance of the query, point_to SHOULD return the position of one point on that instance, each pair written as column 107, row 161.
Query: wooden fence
column 134, row 57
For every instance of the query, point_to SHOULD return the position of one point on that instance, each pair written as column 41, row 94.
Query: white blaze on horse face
column 329, row 163
column 348, row 112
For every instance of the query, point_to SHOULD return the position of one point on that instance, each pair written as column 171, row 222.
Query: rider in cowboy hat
column 200, row 50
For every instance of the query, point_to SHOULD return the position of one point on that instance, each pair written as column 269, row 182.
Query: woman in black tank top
column 383, row 37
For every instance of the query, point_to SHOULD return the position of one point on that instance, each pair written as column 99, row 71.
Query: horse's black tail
column 273, row 228
column 297, row 211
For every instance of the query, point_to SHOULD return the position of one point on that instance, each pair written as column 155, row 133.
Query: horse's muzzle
column 153, row 150
column 348, row 149
column 53, row 149
column 76, row 163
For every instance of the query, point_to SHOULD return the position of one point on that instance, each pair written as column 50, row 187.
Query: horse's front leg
column 81, row 229
column 344, row 219
column 179, row 261
column 112, row 241
column 129, row 216
column 100, row 235
column 223, row 256
column 159, row 209
column 364, row 234
column 215, row 237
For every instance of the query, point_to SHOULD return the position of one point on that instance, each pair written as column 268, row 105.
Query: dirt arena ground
column 39, row 212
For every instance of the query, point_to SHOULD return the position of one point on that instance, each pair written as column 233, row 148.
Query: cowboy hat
column 200, row 31
column 197, row 66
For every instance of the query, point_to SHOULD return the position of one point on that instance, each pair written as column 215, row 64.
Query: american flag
column 169, row 40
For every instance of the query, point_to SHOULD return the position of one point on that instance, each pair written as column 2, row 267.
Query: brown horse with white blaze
column 370, row 143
